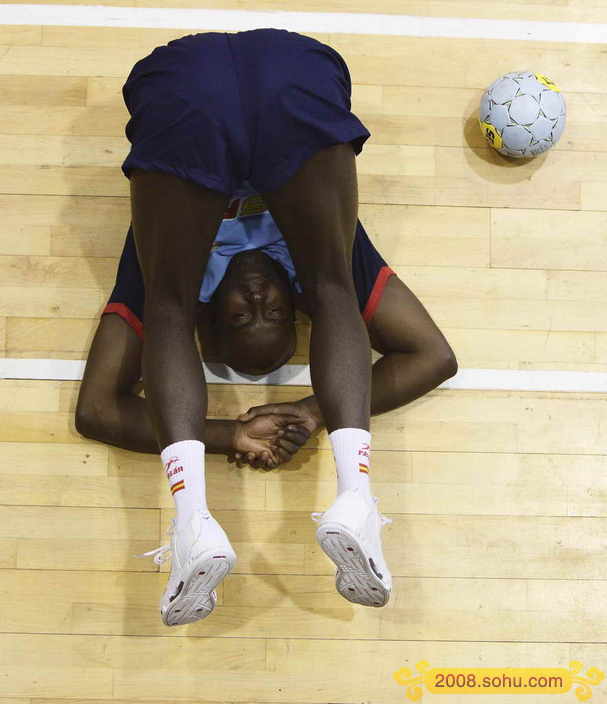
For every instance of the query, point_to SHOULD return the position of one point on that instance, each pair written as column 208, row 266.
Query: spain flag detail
column 178, row 486
column 363, row 468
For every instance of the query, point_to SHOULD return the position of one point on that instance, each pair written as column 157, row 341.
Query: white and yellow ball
column 522, row 114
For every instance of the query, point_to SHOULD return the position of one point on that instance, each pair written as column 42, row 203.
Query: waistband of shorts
column 241, row 207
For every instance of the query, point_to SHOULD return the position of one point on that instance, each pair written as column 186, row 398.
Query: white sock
column 352, row 452
column 183, row 464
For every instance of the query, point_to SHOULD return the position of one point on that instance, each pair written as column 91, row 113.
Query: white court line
column 350, row 23
column 336, row 22
column 299, row 375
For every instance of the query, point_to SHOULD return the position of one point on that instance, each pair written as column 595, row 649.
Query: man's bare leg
column 316, row 212
column 174, row 223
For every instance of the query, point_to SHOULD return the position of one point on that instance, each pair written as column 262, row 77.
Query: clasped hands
column 268, row 436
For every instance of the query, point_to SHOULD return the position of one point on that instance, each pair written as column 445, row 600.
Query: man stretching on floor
column 245, row 319
column 208, row 113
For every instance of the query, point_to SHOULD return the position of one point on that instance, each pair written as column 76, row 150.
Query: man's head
column 254, row 314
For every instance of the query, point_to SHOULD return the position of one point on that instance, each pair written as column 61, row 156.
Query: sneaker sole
column 196, row 598
column 356, row 579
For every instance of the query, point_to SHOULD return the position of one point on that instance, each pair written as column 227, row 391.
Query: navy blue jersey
column 370, row 273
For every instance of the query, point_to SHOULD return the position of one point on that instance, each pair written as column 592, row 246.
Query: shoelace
column 317, row 515
column 161, row 554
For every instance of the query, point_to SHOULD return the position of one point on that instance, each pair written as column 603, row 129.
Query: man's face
column 254, row 314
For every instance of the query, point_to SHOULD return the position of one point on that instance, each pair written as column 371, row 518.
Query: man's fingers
column 288, row 446
column 262, row 459
column 283, row 455
column 270, row 457
column 296, row 436
column 289, row 419
column 258, row 411
column 251, row 459
column 280, row 409
column 272, row 461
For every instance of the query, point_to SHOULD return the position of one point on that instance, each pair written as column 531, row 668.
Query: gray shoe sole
column 195, row 597
column 357, row 578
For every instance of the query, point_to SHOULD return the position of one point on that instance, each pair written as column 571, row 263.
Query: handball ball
column 522, row 114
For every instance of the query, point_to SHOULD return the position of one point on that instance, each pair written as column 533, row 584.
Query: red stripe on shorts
column 127, row 315
column 377, row 292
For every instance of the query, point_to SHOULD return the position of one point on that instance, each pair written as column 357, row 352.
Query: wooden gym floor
column 498, row 498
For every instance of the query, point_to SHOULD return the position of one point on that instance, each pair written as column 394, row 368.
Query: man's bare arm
column 110, row 411
column 108, row 408
column 416, row 357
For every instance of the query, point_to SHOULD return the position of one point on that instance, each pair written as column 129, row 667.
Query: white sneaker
column 349, row 533
column 201, row 557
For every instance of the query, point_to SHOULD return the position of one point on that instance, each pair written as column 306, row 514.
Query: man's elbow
column 87, row 420
column 447, row 365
